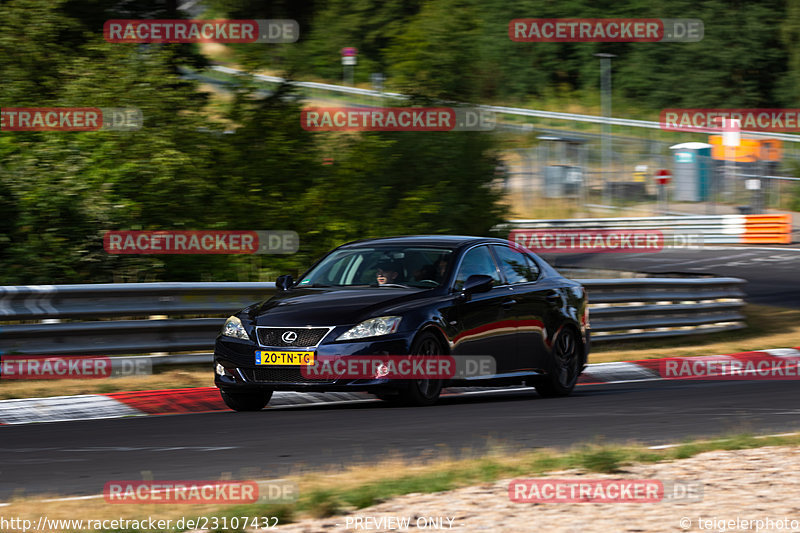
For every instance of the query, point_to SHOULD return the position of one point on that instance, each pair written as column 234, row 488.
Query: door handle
column 508, row 303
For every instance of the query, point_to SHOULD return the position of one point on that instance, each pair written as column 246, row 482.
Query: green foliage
column 323, row 503
column 247, row 166
column 600, row 458
column 436, row 53
column 790, row 38
column 460, row 49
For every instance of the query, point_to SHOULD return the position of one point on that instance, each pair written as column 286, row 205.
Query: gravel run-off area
column 730, row 491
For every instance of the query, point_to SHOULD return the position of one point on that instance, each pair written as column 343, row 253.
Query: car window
column 414, row 266
column 514, row 265
column 533, row 266
column 477, row 261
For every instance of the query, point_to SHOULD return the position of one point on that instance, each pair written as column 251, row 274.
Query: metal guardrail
column 619, row 309
column 538, row 113
column 643, row 308
column 104, row 300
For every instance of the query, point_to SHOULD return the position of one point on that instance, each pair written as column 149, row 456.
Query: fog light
column 224, row 372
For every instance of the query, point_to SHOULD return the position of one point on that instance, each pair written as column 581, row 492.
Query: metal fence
column 133, row 318
column 591, row 182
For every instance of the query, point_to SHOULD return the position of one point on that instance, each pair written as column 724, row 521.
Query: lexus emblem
column 289, row 337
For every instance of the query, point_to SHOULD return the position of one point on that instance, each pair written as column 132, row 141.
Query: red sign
column 349, row 51
column 663, row 176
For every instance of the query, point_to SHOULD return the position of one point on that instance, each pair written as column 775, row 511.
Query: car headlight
column 233, row 328
column 383, row 325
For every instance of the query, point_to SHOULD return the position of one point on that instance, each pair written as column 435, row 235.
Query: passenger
column 441, row 268
column 427, row 272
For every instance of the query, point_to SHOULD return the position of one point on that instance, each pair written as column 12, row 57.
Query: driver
column 388, row 271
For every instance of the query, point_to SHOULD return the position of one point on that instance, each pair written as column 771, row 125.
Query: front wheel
column 422, row 392
column 565, row 367
column 246, row 401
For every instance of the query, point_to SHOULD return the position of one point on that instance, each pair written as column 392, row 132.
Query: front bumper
column 238, row 357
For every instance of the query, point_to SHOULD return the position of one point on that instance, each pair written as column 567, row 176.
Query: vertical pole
column 605, row 140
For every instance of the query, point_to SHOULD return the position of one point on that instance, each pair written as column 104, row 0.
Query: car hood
column 329, row 307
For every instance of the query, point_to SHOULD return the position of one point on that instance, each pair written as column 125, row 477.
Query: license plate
column 284, row 358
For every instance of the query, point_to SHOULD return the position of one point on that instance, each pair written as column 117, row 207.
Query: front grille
column 306, row 337
column 278, row 375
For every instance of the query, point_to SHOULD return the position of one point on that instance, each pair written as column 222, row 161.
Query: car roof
column 449, row 241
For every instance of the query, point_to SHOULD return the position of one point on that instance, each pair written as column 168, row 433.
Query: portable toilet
column 692, row 172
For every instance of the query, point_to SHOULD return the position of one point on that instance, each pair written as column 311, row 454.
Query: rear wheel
column 422, row 392
column 246, row 401
column 565, row 367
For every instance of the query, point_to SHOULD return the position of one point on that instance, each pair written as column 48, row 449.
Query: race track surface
column 773, row 273
column 78, row 458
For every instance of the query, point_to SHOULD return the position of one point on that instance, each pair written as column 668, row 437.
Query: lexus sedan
column 424, row 296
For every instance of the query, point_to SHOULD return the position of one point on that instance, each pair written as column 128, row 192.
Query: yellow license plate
column 285, row 358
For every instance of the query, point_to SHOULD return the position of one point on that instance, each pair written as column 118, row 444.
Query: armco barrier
column 663, row 307
column 104, row 300
column 711, row 229
column 619, row 309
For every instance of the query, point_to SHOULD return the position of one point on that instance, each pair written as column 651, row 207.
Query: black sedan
column 417, row 296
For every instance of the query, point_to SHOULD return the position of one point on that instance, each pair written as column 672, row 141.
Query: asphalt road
column 773, row 273
column 78, row 458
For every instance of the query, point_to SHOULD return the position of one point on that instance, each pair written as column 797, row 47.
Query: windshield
column 419, row 267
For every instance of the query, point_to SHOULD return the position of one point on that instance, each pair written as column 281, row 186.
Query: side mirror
column 477, row 283
column 284, row 282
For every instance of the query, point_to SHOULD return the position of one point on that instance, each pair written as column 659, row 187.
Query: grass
column 768, row 327
column 335, row 491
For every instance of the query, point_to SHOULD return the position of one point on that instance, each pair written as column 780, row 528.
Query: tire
column 421, row 392
column 246, row 401
column 566, row 366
